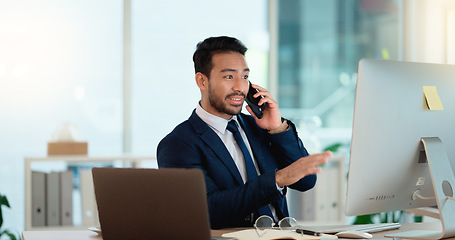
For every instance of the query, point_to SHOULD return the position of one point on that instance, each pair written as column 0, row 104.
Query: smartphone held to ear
column 253, row 102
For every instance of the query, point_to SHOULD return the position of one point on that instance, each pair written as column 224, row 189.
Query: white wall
column 426, row 30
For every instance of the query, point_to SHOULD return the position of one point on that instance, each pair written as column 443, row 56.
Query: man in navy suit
column 248, row 178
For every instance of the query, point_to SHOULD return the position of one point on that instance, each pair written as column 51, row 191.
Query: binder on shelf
column 38, row 199
column 326, row 195
column 89, row 208
column 66, row 198
column 53, row 199
column 333, row 202
column 308, row 211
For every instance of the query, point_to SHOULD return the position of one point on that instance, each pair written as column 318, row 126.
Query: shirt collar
column 213, row 121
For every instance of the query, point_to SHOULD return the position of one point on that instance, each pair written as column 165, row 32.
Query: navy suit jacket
column 193, row 144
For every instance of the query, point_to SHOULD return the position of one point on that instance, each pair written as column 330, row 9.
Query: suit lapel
column 211, row 139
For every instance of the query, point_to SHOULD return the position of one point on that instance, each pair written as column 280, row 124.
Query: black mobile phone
column 253, row 102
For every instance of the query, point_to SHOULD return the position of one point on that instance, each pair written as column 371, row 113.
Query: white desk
column 89, row 235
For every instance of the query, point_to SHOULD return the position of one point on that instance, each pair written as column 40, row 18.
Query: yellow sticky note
column 432, row 98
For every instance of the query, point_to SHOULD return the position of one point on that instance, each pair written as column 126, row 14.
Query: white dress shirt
column 219, row 125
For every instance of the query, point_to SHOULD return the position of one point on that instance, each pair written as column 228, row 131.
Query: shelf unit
column 63, row 163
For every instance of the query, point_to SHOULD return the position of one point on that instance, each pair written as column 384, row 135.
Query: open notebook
column 252, row 234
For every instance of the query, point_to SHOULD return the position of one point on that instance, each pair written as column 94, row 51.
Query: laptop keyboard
column 369, row 228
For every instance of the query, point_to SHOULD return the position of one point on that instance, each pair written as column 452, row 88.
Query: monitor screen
column 388, row 168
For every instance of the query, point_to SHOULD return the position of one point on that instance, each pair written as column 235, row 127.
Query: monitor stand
column 443, row 180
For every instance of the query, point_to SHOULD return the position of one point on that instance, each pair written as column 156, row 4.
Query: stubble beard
column 219, row 104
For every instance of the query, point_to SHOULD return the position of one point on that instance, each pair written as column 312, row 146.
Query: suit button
column 248, row 218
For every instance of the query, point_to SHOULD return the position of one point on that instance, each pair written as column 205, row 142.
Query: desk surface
column 89, row 235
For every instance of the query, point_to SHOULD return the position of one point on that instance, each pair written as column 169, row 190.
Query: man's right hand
column 304, row 166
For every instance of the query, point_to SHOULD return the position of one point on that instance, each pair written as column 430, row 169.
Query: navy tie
column 250, row 169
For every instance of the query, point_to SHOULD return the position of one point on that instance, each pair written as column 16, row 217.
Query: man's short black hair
column 205, row 50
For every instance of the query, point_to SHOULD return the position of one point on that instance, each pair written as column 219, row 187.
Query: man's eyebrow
column 234, row 70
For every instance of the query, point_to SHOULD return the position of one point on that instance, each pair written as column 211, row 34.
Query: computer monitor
column 402, row 148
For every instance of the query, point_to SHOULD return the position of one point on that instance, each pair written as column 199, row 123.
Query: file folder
column 38, row 199
column 66, row 198
column 53, row 199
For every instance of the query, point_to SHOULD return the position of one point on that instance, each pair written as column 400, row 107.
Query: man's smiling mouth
column 236, row 99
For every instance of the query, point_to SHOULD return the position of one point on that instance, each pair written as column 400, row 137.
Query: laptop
column 151, row 203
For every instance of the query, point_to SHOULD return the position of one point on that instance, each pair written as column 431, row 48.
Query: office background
column 64, row 61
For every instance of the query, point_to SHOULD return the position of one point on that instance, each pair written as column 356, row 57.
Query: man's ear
column 201, row 81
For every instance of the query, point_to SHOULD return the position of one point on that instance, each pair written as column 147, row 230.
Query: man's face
column 228, row 84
